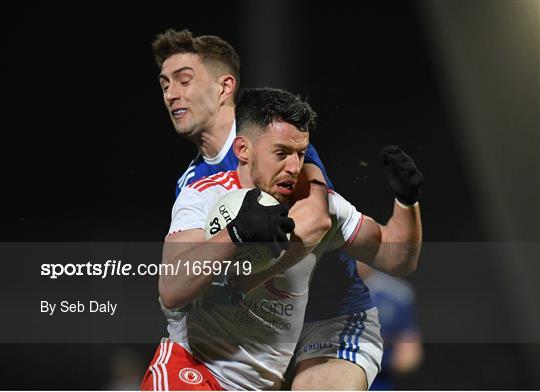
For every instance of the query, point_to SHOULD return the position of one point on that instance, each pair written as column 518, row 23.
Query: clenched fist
column 402, row 174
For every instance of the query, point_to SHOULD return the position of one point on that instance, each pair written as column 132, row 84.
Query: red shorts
column 175, row 369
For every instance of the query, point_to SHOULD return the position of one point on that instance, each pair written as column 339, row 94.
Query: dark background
column 90, row 154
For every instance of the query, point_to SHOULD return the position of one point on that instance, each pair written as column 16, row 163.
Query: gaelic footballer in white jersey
column 249, row 348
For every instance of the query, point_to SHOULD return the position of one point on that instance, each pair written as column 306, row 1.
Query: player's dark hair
column 212, row 49
column 258, row 107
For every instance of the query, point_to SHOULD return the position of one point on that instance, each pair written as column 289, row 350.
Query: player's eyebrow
column 287, row 147
column 175, row 72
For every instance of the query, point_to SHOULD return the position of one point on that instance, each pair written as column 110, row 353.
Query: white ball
column 224, row 211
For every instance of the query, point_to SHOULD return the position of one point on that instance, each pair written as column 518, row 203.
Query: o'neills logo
column 190, row 376
column 317, row 346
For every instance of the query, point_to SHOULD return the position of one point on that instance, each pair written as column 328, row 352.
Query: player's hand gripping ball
column 257, row 223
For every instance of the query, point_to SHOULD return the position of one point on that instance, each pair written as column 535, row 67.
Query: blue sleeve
column 313, row 157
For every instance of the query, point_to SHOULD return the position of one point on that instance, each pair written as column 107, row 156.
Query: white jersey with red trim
column 251, row 347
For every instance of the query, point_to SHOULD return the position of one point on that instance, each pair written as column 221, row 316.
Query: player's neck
column 213, row 139
column 244, row 176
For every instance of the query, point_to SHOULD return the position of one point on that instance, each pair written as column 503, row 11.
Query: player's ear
column 228, row 84
column 242, row 148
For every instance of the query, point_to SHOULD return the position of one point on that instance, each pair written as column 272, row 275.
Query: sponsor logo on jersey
column 257, row 321
column 225, row 213
column 270, row 314
column 264, row 307
column 190, row 376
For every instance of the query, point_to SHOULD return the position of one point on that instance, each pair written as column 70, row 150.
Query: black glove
column 402, row 174
column 257, row 223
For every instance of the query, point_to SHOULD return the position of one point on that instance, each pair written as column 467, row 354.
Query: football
column 224, row 211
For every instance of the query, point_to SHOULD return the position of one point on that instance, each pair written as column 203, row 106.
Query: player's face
column 276, row 159
column 190, row 93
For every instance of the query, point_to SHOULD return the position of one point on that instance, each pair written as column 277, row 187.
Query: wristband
column 407, row 206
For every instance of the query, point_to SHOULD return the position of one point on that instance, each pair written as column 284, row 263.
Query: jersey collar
column 225, row 149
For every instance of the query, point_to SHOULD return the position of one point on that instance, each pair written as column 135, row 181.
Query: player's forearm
column 401, row 241
column 310, row 213
column 311, row 174
column 187, row 283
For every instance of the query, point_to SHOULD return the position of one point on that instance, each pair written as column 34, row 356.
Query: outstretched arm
column 394, row 248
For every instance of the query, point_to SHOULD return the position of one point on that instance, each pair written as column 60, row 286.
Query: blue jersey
column 395, row 300
column 336, row 289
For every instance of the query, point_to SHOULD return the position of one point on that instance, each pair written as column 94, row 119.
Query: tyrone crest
column 190, row 376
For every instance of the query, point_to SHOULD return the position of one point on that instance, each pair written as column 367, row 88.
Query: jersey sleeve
column 313, row 157
column 189, row 211
column 346, row 220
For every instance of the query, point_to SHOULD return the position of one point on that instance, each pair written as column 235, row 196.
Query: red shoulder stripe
column 204, row 180
column 229, row 182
